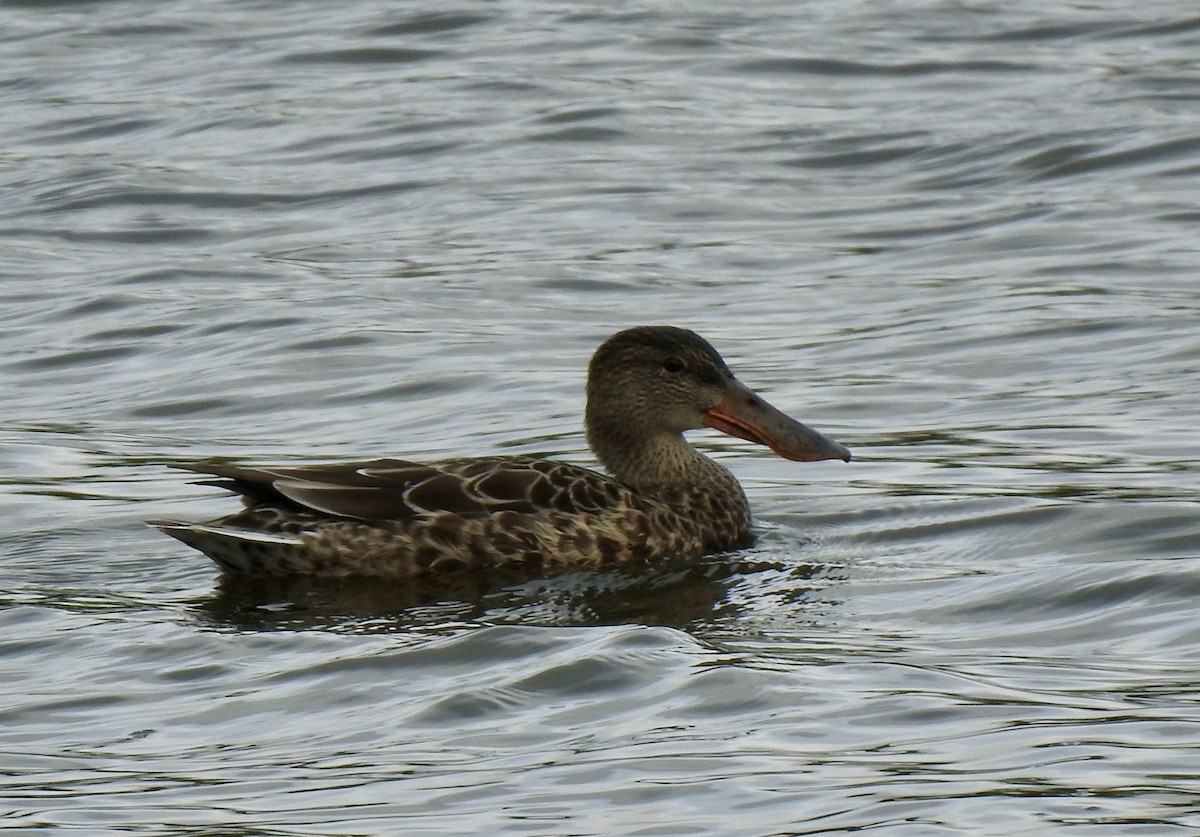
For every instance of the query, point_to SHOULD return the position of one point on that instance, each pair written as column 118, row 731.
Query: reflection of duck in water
column 395, row 518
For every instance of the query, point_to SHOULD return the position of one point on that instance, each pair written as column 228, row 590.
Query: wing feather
column 393, row 489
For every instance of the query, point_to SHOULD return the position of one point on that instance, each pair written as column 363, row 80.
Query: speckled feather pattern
column 533, row 515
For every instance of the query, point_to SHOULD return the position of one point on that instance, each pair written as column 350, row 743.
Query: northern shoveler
column 394, row 518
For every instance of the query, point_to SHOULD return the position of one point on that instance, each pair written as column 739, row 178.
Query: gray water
column 961, row 238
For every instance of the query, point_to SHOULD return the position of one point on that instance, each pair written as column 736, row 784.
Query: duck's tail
column 238, row 550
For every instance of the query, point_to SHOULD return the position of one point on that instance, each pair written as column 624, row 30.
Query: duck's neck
column 664, row 465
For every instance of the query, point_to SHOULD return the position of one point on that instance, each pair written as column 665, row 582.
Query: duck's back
column 396, row 518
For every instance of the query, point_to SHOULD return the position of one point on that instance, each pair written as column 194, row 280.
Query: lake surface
column 963, row 239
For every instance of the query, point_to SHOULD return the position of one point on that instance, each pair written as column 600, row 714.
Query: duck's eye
column 673, row 364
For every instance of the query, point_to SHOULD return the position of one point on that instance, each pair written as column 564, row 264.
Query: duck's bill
column 746, row 415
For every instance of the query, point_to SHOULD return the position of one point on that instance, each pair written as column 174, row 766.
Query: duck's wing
column 394, row 489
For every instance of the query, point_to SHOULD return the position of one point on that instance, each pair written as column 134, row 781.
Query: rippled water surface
column 960, row 238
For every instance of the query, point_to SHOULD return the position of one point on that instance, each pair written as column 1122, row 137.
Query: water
column 960, row 238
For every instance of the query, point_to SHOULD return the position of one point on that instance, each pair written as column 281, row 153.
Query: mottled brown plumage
column 393, row 518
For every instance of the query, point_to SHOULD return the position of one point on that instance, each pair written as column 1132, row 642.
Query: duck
column 658, row 498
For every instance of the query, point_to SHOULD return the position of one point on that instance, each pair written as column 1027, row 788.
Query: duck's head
column 653, row 381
